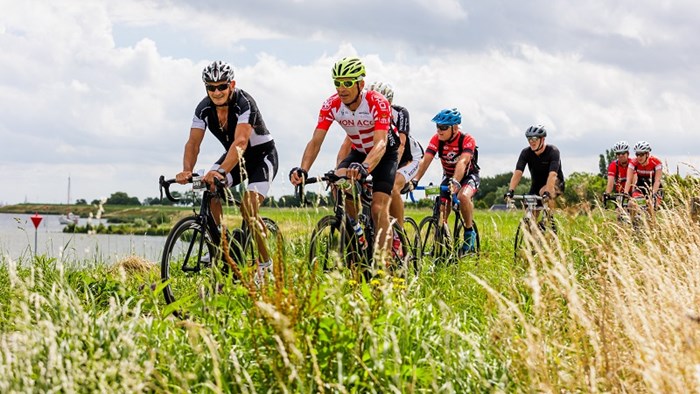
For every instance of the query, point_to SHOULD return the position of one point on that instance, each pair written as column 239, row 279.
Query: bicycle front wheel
column 412, row 236
column 459, row 234
column 187, row 258
column 435, row 240
column 327, row 243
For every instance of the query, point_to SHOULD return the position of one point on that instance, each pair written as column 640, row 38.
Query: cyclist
column 644, row 176
column 233, row 117
column 457, row 153
column 409, row 152
column 370, row 145
column 617, row 170
column 544, row 162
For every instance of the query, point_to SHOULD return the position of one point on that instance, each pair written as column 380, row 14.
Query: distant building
column 499, row 207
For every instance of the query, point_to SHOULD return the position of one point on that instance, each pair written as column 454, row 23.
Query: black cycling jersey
column 540, row 167
column 241, row 109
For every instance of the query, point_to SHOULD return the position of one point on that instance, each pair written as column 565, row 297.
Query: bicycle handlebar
column 433, row 190
column 329, row 177
column 197, row 184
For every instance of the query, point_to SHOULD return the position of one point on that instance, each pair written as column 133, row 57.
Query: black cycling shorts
column 260, row 165
column 383, row 174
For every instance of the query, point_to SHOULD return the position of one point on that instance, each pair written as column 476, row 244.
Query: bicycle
column 195, row 245
column 334, row 239
column 435, row 238
column 532, row 204
column 637, row 214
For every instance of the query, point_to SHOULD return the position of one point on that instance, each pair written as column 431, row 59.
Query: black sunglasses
column 220, row 88
column 443, row 127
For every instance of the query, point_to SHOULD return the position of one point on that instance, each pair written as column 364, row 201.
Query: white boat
column 70, row 218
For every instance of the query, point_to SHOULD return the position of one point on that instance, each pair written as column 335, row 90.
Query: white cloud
column 114, row 117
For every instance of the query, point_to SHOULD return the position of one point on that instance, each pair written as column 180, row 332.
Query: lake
column 17, row 241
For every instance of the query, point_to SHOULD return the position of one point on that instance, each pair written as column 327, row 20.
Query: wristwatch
column 222, row 172
column 366, row 166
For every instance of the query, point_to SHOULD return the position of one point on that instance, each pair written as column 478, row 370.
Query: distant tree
column 80, row 201
column 95, row 202
column 583, row 187
column 121, row 198
column 493, row 188
column 604, row 161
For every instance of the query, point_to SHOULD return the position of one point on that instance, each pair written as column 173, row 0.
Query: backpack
column 475, row 157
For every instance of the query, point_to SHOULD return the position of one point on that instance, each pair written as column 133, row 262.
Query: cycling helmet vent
column 448, row 117
column 349, row 67
column 217, row 71
column 642, row 147
column 535, row 131
column 621, row 147
column 384, row 88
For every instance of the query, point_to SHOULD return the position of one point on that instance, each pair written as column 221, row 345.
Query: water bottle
column 359, row 233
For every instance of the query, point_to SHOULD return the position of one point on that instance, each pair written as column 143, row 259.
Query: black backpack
column 475, row 157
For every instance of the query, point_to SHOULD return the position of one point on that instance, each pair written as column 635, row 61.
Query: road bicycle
column 334, row 242
column 195, row 245
column 534, row 206
column 436, row 240
column 636, row 214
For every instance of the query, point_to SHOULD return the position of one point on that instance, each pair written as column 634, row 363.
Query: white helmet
column 642, row 146
column 217, row 71
column 384, row 88
column 621, row 147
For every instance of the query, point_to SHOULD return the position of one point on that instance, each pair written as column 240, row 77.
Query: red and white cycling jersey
column 374, row 113
column 647, row 170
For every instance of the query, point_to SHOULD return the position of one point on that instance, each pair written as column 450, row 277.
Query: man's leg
column 250, row 208
column 380, row 216
column 466, row 208
column 396, row 208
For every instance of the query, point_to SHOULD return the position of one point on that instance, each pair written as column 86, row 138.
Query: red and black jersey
column 645, row 173
column 618, row 171
column 450, row 151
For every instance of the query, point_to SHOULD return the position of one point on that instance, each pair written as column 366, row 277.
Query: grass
column 597, row 311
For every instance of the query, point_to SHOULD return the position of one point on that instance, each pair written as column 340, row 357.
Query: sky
column 103, row 92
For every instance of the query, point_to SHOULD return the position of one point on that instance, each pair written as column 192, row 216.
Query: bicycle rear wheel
column 244, row 246
column 189, row 253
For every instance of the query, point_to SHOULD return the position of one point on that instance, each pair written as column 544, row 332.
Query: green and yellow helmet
column 349, row 67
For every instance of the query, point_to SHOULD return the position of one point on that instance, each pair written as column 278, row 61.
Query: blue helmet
column 449, row 117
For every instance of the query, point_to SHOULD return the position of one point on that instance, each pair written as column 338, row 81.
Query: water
column 17, row 242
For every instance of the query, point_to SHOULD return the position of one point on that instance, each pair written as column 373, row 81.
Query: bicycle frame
column 204, row 216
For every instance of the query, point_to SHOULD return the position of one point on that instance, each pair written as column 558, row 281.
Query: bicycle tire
column 327, row 245
column 412, row 234
column 459, row 228
column 518, row 243
column 189, row 252
column 245, row 252
column 435, row 241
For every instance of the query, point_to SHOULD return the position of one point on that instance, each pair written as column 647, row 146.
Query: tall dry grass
column 627, row 320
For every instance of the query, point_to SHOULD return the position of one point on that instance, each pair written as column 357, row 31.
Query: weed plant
column 597, row 310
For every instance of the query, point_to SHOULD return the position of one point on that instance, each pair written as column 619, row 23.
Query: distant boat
column 70, row 218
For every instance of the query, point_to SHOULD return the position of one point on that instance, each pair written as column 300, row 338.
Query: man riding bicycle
column 410, row 152
column 233, row 116
column 644, row 176
column 370, row 146
column 457, row 152
column 617, row 170
column 544, row 163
